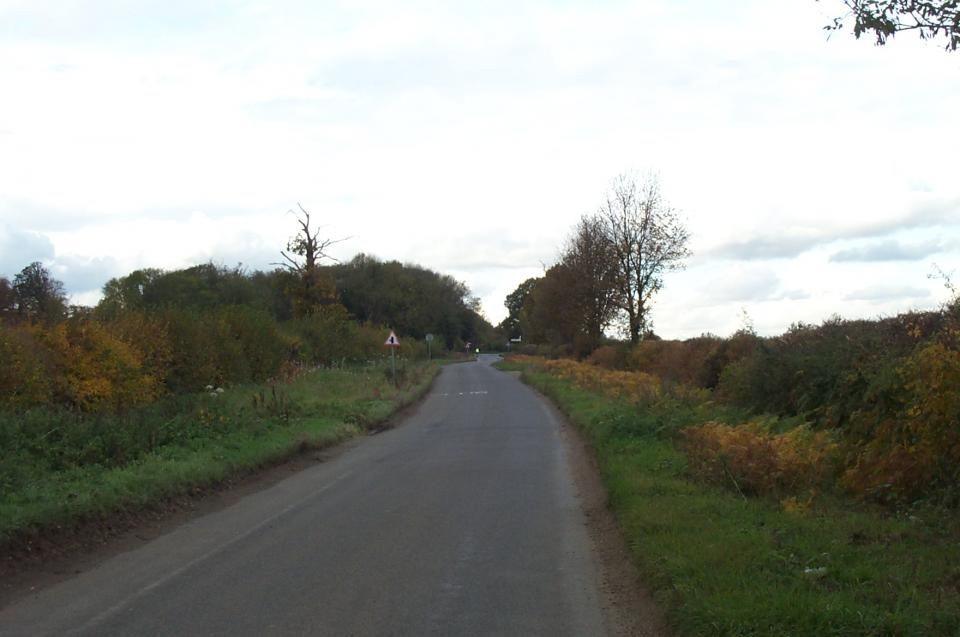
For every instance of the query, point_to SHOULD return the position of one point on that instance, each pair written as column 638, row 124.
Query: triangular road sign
column 392, row 340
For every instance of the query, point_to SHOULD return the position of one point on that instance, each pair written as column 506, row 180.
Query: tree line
column 156, row 332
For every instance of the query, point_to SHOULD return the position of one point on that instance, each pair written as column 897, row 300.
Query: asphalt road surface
column 462, row 521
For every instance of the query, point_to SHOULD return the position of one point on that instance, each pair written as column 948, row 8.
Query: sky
column 817, row 174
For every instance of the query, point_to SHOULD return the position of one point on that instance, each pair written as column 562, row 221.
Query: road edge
column 60, row 555
column 629, row 607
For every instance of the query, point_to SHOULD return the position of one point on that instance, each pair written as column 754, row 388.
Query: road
column 464, row 520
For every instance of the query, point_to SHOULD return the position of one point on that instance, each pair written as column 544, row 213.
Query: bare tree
column 307, row 245
column 304, row 252
column 648, row 239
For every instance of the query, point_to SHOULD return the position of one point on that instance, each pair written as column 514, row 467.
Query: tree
column 648, row 239
column 591, row 260
column 885, row 18
column 39, row 295
column 315, row 289
column 127, row 293
column 8, row 298
column 551, row 312
column 408, row 298
column 511, row 325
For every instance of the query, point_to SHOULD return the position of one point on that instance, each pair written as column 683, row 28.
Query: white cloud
column 890, row 250
column 20, row 248
column 888, row 292
column 470, row 138
column 755, row 284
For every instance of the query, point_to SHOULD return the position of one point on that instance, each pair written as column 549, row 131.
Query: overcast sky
column 817, row 176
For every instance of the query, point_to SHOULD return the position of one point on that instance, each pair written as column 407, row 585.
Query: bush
column 25, row 368
column 757, row 462
column 194, row 359
column 326, row 336
column 250, row 344
column 632, row 386
column 674, row 361
column 608, row 357
column 908, row 445
column 92, row 370
column 822, row 373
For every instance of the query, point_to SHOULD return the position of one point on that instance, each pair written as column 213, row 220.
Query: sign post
column 429, row 347
column 393, row 343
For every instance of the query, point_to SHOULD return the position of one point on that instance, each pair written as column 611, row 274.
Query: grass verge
column 62, row 469
column 721, row 564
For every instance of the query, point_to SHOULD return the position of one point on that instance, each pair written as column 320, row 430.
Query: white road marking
column 481, row 392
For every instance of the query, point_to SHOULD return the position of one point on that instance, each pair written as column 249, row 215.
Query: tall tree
column 885, row 18
column 591, row 260
column 306, row 249
column 38, row 294
column 550, row 312
column 648, row 239
column 511, row 325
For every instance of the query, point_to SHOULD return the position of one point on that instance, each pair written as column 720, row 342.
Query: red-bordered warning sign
column 392, row 340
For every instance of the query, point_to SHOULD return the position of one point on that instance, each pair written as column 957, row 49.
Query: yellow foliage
column 758, row 462
column 96, row 370
column 632, row 386
column 795, row 505
column 525, row 359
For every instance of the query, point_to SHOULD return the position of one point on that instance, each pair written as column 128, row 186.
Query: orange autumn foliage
column 99, row 371
column 758, row 462
column 77, row 363
column 631, row 386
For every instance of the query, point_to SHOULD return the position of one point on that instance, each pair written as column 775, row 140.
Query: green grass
column 723, row 565
column 61, row 468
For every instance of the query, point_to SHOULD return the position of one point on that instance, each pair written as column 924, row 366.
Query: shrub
column 608, row 357
column 325, row 336
column 93, row 370
column 758, row 462
column 194, row 357
column 251, row 346
column 675, row 361
column 148, row 335
column 631, row 386
column 24, row 376
column 909, row 443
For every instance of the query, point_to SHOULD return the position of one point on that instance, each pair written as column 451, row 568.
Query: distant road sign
column 392, row 340
column 429, row 337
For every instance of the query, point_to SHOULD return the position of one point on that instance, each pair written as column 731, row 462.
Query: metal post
column 393, row 364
